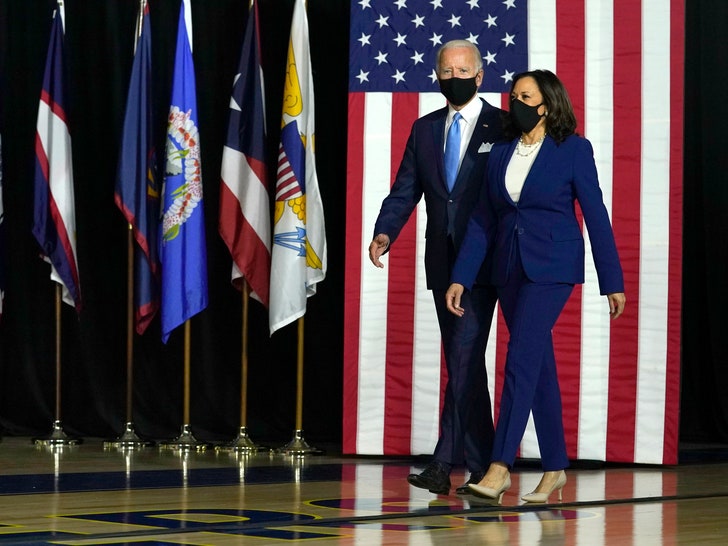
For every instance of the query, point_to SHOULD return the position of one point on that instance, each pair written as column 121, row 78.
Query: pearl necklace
column 525, row 150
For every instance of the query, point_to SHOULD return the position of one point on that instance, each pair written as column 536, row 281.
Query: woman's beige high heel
column 558, row 485
column 489, row 492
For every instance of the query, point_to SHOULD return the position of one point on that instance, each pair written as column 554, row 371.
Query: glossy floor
column 90, row 495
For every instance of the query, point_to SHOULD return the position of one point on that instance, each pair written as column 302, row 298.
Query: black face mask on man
column 458, row 91
column 523, row 116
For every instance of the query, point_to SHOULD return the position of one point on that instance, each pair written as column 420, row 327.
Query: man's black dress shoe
column 434, row 478
column 474, row 478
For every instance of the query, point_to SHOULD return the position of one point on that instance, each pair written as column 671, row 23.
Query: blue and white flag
column 182, row 251
column 393, row 44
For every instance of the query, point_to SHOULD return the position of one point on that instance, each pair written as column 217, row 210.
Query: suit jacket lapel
column 539, row 165
column 438, row 139
column 471, row 153
column 476, row 141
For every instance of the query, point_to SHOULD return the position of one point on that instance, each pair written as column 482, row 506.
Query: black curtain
column 99, row 42
column 99, row 46
column 704, row 413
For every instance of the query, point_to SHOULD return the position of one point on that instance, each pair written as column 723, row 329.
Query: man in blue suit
column 451, row 178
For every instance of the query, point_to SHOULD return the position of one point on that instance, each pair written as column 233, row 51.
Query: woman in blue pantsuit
column 528, row 220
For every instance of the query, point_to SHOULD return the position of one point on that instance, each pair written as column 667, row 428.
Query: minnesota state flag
column 299, row 235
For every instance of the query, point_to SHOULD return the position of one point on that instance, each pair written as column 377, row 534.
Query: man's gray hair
column 461, row 43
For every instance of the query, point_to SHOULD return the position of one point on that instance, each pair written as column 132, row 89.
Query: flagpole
column 243, row 443
column 186, row 395
column 295, row 159
column 57, row 438
column 129, row 438
column 298, row 445
column 186, row 441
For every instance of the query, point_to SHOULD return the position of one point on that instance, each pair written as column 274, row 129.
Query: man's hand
column 616, row 304
column 452, row 299
column 379, row 244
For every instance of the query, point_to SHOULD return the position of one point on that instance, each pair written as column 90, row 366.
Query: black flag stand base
column 241, row 444
column 298, row 446
column 58, row 438
column 184, row 442
column 128, row 440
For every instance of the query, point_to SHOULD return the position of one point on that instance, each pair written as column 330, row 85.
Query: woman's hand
column 452, row 299
column 616, row 304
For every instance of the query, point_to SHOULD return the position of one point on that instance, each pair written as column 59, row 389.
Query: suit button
column 520, row 231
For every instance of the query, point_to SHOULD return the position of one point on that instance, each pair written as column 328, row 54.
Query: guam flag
column 183, row 253
column 136, row 193
column 299, row 237
column 54, row 215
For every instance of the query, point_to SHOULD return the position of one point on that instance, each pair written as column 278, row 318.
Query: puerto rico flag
column 54, row 215
column 244, row 201
column 619, row 380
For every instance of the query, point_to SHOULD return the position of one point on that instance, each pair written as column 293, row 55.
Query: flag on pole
column 183, row 254
column 620, row 380
column 137, row 191
column 54, row 217
column 299, row 236
column 244, row 200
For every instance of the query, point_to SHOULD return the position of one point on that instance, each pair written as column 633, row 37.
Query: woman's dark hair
column 560, row 118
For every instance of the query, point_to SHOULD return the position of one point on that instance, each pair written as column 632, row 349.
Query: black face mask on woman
column 458, row 91
column 523, row 116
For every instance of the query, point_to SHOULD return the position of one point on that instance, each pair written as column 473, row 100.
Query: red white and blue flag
column 137, row 192
column 620, row 380
column 54, row 216
column 244, row 222
column 183, row 251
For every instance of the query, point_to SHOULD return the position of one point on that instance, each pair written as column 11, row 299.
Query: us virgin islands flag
column 299, row 236
column 183, row 253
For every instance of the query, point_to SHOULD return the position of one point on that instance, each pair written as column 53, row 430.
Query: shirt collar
column 470, row 111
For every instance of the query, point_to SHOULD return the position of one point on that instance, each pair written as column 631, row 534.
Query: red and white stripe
column 622, row 63
column 245, row 220
column 287, row 185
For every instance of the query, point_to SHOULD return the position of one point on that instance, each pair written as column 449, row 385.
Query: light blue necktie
column 452, row 151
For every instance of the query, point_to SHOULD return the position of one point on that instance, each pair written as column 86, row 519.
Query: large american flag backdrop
column 622, row 62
